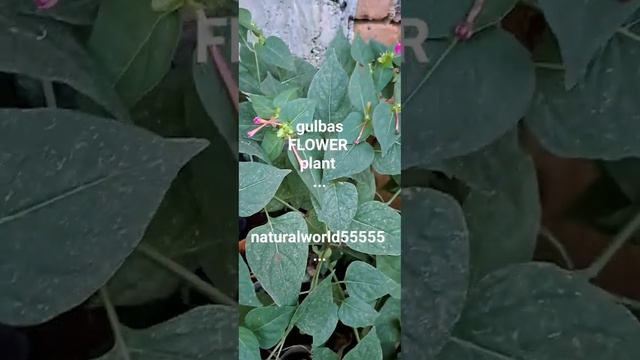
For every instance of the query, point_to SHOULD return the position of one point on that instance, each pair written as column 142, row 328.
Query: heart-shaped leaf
column 318, row 315
column 202, row 333
column 329, row 89
column 582, row 28
column 566, row 317
column 279, row 267
column 339, row 205
column 68, row 183
column 269, row 323
column 435, row 266
column 66, row 61
column 367, row 348
column 494, row 76
column 367, row 283
column 376, row 217
column 355, row 312
column 258, row 185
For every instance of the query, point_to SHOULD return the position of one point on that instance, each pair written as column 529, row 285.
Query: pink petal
column 45, row 4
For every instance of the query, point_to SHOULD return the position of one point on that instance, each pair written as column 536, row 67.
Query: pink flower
column 398, row 49
column 357, row 141
column 45, row 4
column 263, row 123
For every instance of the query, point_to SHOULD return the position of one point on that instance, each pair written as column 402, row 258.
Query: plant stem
column 121, row 346
column 628, row 33
column 558, row 245
column 435, row 66
column 286, row 204
column 198, row 284
column 355, row 331
column 549, row 66
column 616, row 244
column 394, row 197
column 49, row 94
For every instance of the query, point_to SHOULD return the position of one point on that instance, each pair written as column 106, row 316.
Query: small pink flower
column 45, row 4
column 398, row 49
column 263, row 123
column 464, row 31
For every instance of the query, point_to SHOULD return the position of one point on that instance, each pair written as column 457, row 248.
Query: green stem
column 286, row 204
column 549, row 66
column 394, row 196
column 558, row 245
column 628, row 33
column 453, row 43
column 616, row 244
column 355, row 331
column 49, row 94
column 197, row 283
column 120, row 345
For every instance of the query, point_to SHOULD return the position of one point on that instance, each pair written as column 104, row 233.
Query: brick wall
column 379, row 20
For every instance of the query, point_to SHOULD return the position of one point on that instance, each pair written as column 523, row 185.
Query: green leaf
column 381, row 77
column 384, row 126
column 362, row 91
column 135, row 44
column 322, row 353
column 272, row 144
column 340, row 45
column 216, row 191
column 356, row 313
column 583, row 28
column 318, row 315
column 258, row 185
column 215, row 98
column 312, row 178
column 252, row 148
column 262, row 106
column 202, row 333
column 566, row 317
column 435, row 266
column 272, row 87
column 368, row 348
column 339, row 205
column 351, row 127
column 279, row 267
column 276, row 53
column 248, row 344
column 247, row 293
column 390, row 266
column 355, row 159
column 506, row 232
column 494, row 75
column 285, row 96
column 366, row 282
column 361, row 52
column 366, row 185
column 379, row 218
column 269, row 323
column 605, row 100
column 329, row 89
column 45, row 188
column 388, row 327
column 298, row 111
column 55, row 57
column 391, row 163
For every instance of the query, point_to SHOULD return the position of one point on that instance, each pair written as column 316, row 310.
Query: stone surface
column 386, row 33
column 307, row 26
